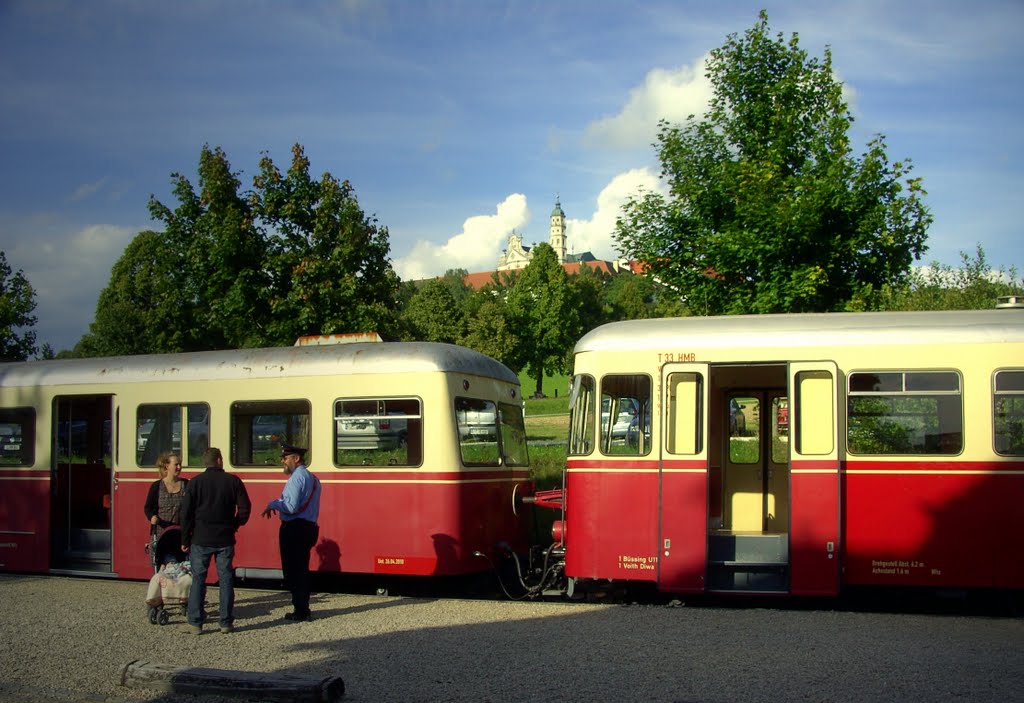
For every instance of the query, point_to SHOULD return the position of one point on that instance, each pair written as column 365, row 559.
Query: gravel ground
column 68, row 639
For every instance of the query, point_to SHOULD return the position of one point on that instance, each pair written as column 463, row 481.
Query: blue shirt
column 295, row 502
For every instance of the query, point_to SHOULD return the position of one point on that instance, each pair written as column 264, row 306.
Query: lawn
column 547, row 429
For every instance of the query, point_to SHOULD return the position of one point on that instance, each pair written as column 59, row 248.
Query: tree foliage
column 490, row 330
column 544, row 314
column 975, row 285
column 328, row 262
column 140, row 309
column 768, row 209
column 434, row 315
column 233, row 268
column 17, row 302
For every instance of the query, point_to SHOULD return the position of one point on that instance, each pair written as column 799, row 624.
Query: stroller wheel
column 152, row 615
column 164, row 617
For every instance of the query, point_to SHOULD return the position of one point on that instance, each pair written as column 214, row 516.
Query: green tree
column 455, row 280
column 589, row 290
column 233, row 269
column 490, row 331
column 768, row 210
column 975, row 285
column 17, row 302
column 329, row 263
column 631, row 297
column 138, row 312
column 433, row 315
column 217, row 255
column 544, row 314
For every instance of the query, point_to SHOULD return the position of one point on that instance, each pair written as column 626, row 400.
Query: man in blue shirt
column 299, row 506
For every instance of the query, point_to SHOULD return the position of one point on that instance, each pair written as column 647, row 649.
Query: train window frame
column 249, row 418
column 916, row 401
column 684, row 434
column 145, row 456
column 477, row 446
column 515, row 450
column 1011, row 441
column 21, row 446
column 582, row 405
column 615, row 388
column 395, row 432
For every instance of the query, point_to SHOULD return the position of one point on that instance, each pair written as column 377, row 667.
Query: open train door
column 80, row 485
column 814, row 478
column 683, row 523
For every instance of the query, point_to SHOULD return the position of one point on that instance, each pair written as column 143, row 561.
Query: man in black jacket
column 214, row 506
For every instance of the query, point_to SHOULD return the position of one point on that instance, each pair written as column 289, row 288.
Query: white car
column 367, row 424
column 628, row 408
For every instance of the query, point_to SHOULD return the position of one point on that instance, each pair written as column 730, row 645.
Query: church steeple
column 558, row 231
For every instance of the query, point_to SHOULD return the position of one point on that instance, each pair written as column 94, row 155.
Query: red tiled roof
column 482, row 278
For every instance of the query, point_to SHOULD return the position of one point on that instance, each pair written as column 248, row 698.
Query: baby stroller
column 172, row 577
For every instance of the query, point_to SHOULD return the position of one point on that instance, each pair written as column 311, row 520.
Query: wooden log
column 241, row 684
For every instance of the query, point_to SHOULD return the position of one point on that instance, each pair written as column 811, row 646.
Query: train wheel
column 382, row 591
column 164, row 618
column 152, row 615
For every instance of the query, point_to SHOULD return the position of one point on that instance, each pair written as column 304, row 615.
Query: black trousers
column 297, row 539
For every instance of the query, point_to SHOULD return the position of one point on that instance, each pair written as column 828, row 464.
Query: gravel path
column 68, row 640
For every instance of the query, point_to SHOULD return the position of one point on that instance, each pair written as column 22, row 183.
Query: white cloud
column 672, row 95
column 483, row 237
column 67, row 267
column 595, row 235
column 87, row 190
column 475, row 248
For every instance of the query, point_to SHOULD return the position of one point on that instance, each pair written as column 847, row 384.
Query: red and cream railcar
column 419, row 448
column 798, row 454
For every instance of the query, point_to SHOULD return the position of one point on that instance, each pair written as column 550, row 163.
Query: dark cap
column 287, row 449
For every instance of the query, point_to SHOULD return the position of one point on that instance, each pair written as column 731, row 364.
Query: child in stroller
column 172, row 578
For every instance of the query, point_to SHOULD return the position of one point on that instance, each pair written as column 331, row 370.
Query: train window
column 513, row 435
column 158, row 430
column 260, row 427
column 378, row 432
column 17, row 436
column 814, row 434
column 685, row 407
column 626, row 414
column 477, row 422
column 744, row 430
column 905, row 412
column 581, row 415
column 1008, row 413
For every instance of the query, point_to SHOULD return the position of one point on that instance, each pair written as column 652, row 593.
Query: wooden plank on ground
column 240, row 684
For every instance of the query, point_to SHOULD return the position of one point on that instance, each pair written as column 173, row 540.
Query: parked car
column 782, row 416
column 198, row 432
column 633, row 433
column 477, row 419
column 10, row 439
column 269, row 431
column 370, row 424
column 737, row 420
column 628, row 410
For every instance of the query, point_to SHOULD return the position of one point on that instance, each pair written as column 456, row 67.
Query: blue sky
column 458, row 122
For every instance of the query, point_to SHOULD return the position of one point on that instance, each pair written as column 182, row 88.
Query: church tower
column 558, row 231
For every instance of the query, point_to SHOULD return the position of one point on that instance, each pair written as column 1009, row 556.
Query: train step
column 748, row 562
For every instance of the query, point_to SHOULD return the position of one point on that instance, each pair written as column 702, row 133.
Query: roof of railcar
column 810, row 329
column 326, row 360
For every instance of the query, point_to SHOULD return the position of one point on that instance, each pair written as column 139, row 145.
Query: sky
column 460, row 122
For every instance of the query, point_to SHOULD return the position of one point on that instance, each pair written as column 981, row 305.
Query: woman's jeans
column 199, row 558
